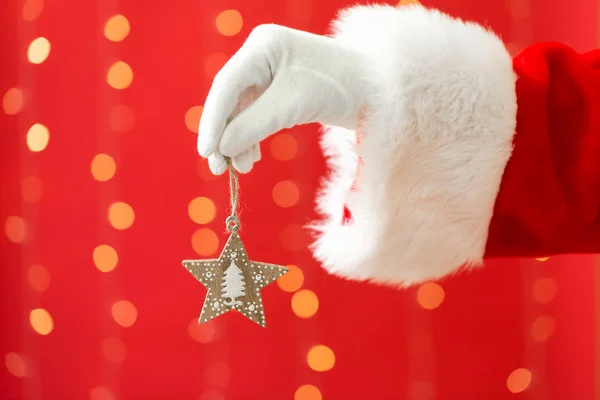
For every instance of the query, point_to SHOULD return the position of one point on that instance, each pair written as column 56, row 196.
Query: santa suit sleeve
column 462, row 153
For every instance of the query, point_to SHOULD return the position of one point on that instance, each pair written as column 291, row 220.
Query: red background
column 386, row 345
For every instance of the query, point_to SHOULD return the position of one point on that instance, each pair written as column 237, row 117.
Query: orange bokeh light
column 116, row 28
column 283, row 147
column 32, row 9
column 213, row 64
column 121, row 118
column 15, row 364
column 31, row 189
column 39, row 278
column 38, row 137
column 124, row 313
column 113, row 349
column 518, row 380
column 543, row 328
column 308, row 392
column 229, row 22
column 119, row 75
column 292, row 280
column 38, row 50
column 408, row 2
column 105, row 258
column 192, row 118
column 41, row 321
column 12, row 101
column 103, row 167
column 202, row 210
column 15, row 229
column 320, row 358
column 205, row 242
column 285, row 194
column 204, row 333
column 430, row 295
column 203, row 170
column 101, row 393
column 305, row 303
column 544, row 290
column 121, row 215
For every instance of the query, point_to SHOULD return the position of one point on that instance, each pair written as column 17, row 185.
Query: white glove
column 280, row 77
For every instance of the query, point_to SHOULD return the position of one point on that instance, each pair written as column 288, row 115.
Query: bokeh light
column 105, row 258
column 12, row 101
column 121, row 215
column 192, row 118
column 204, row 333
column 116, row 28
column 121, row 118
column 119, row 75
column 217, row 374
column 38, row 137
column 293, row 238
column 308, row 392
column 292, row 280
column 32, row 9
column 518, row 380
column 430, row 295
column 103, row 167
column 283, row 147
column 320, row 358
column 15, row 364
column 202, row 210
column 15, row 229
column 203, row 170
column 408, row 2
column 285, row 194
column 229, row 22
column 41, row 321
column 543, row 328
column 38, row 50
column 213, row 64
column 544, row 290
column 31, row 189
column 101, row 393
column 205, row 242
column 38, row 278
column 305, row 303
column 124, row 313
column 113, row 349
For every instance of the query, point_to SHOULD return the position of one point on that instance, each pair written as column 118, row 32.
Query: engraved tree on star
column 233, row 285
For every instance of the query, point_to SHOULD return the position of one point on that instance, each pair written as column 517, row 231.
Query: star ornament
column 233, row 282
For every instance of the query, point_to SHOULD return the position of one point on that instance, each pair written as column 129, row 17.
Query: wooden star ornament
column 234, row 282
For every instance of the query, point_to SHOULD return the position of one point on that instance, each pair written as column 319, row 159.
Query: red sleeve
column 549, row 198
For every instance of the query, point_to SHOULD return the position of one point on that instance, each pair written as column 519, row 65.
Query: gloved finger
column 217, row 163
column 248, row 67
column 296, row 96
column 256, row 152
column 243, row 162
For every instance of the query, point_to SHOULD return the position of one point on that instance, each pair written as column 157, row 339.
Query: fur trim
column 438, row 133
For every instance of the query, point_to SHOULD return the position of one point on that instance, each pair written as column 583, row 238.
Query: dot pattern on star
column 254, row 276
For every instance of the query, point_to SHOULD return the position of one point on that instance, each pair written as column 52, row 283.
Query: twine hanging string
column 233, row 222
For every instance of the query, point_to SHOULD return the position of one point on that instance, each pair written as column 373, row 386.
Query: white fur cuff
column 433, row 145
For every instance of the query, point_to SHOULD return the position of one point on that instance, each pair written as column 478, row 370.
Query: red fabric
column 549, row 199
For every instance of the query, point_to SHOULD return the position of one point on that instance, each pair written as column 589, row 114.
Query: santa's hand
column 279, row 78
